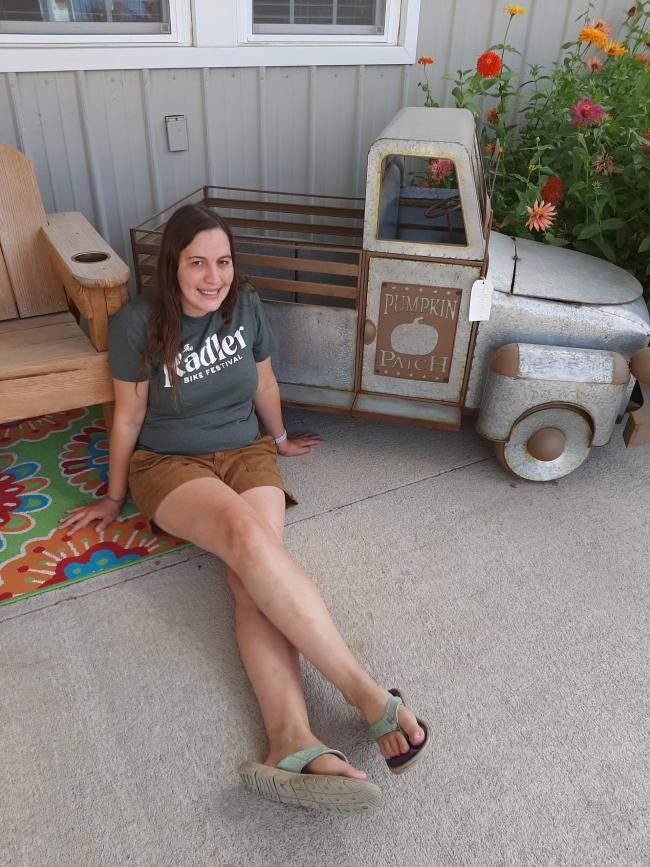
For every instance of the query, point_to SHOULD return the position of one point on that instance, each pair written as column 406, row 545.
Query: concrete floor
column 515, row 616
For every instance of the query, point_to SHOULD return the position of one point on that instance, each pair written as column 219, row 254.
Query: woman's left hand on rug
column 106, row 511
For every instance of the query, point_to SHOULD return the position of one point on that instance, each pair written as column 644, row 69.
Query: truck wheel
column 546, row 444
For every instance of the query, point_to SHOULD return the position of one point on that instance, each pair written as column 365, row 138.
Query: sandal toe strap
column 389, row 722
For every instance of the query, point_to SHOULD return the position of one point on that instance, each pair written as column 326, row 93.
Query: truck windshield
column 419, row 201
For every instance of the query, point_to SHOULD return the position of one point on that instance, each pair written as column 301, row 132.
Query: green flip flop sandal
column 287, row 784
column 389, row 722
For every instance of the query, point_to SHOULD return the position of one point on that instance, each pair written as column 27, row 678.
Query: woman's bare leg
column 272, row 665
column 207, row 513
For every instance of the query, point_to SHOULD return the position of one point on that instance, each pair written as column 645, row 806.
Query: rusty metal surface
column 542, row 378
column 558, row 274
column 502, row 261
column 315, row 345
column 577, row 433
column 406, row 380
column 419, row 322
column 516, row 319
column 438, row 415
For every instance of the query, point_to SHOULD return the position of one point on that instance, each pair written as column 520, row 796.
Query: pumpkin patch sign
column 416, row 331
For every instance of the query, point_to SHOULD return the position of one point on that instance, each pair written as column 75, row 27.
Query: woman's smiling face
column 205, row 272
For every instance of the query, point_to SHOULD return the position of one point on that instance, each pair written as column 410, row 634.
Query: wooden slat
column 35, row 287
column 57, row 345
column 302, row 288
column 286, row 208
column 308, row 229
column 82, row 384
column 302, row 244
column 151, row 249
column 8, row 309
column 35, row 322
column 293, row 286
column 319, row 266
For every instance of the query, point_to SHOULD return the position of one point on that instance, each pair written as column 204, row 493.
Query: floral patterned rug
column 48, row 465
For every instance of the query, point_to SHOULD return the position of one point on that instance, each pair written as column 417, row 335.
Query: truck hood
column 523, row 267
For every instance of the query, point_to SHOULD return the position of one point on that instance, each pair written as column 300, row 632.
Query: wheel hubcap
column 546, row 444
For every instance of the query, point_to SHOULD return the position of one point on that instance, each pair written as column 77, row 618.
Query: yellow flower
column 514, row 10
column 593, row 36
column 615, row 49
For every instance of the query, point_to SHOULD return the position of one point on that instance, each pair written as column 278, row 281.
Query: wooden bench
column 55, row 272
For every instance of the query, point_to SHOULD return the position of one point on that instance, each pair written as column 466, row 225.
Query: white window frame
column 390, row 35
column 180, row 21
column 217, row 33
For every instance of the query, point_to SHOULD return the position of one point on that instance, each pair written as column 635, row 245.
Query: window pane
column 84, row 12
column 286, row 16
column 419, row 201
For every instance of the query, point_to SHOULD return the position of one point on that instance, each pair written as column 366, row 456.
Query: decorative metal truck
column 411, row 309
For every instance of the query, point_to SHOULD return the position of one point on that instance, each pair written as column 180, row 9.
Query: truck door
column 423, row 258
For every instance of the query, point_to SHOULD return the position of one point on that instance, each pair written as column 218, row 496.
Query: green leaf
column 554, row 241
column 613, row 223
column 589, row 231
column 575, row 188
column 644, row 246
column 605, row 248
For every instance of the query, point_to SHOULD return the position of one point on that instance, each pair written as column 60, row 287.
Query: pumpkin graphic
column 414, row 338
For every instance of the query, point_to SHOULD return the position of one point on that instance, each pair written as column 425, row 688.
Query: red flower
column 488, row 65
column 552, row 191
column 425, row 61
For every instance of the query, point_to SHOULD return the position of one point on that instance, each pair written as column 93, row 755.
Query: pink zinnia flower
column 540, row 216
column 440, row 169
column 601, row 25
column 595, row 65
column 587, row 112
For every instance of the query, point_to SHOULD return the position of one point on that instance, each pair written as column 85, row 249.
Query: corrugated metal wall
column 98, row 141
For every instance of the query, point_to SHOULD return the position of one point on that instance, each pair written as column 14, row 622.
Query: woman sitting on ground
column 192, row 376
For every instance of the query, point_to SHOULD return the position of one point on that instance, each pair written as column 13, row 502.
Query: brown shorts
column 153, row 476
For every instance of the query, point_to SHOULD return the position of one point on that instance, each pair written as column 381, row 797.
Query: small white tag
column 480, row 302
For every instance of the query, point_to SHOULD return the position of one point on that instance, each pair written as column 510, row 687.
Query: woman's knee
column 249, row 535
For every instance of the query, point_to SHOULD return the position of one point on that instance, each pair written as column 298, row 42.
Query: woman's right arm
column 130, row 409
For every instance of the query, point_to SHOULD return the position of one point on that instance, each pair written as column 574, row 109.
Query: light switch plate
column 176, row 126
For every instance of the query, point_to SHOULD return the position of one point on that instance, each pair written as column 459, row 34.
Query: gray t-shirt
column 218, row 377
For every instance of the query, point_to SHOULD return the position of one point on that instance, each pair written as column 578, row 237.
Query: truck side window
column 419, row 201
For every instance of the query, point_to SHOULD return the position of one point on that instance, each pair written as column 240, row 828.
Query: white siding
column 98, row 141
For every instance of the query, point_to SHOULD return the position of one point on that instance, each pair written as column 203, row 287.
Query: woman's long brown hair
column 166, row 316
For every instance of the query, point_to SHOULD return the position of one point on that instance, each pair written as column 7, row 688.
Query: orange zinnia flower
column 514, row 10
column 540, row 216
column 488, row 65
column 615, row 49
column 425, row 61
column 492, row 115
column 592, row 36
column 642, row 58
